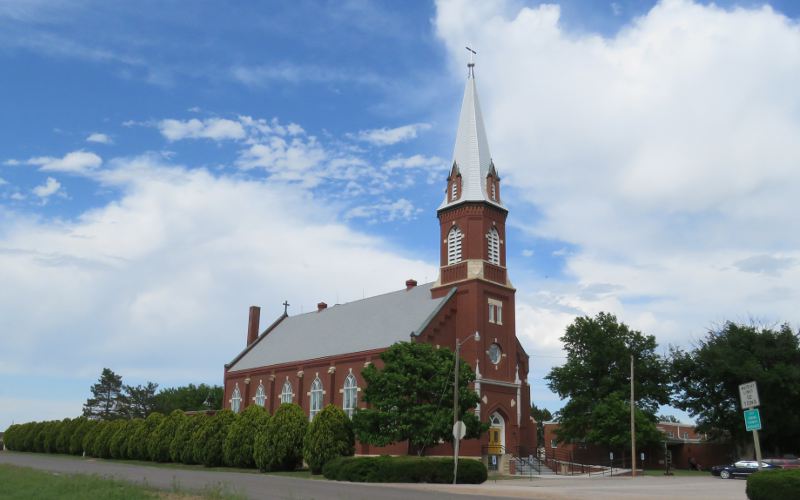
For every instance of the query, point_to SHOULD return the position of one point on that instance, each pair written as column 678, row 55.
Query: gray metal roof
column 362, row 325
column 471, row 152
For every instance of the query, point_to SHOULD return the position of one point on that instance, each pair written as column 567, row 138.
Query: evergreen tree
column 140, row 401
column 107, row 401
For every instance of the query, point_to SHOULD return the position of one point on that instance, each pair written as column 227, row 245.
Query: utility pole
column 633, row 427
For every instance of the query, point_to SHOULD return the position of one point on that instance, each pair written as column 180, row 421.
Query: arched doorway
column 497, row 434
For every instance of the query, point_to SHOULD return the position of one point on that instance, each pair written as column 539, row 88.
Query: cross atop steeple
column 285, row 307
column 471, row 64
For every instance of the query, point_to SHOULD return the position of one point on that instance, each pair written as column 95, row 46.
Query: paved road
column 252, row 485
column 268, row 486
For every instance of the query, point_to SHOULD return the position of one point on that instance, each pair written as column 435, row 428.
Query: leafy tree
column 189, row 398
column 411, row 398
column 596, row 379
column 330, row 435
column 706, row 383
column 238, row 445
column 90, row 439
column 68, row 427
column 128, row 448
column 51, row 432
column 541, row 415
column 668, row 418
column 107, row 401
column 140, row 401
column 161, row 437
column 280, row 445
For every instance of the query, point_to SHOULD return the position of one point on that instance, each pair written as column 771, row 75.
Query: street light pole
column 456, row 434
column 633, row 428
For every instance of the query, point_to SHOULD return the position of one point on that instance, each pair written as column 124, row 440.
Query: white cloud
column 12, row 162
column 216, row 129
column 76, row 162
column 388, row 136
column 130, row 282
column 99, row 138
column 49, row 188
column 415, row 161
column 387, row 211
column 3, row 181
column 664, row 157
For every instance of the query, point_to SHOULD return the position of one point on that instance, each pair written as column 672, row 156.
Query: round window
column 495, row 353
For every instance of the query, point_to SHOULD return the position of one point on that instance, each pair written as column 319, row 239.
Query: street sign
column 459, row 430
column 752, row 420
column 748, row 393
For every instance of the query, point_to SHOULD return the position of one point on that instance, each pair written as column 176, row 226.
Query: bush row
column 252, row 438
column 774, row 485
column 387, row 469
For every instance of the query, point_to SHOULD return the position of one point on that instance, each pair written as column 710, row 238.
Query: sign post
column 748, row 393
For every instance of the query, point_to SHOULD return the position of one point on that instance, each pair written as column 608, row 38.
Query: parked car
column 740, row 469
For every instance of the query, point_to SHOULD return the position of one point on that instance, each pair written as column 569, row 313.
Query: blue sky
column 164, row 166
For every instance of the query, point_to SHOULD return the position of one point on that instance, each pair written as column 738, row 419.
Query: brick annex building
column 316, row 358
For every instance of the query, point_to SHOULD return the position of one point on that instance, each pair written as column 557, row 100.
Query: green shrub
column 119, row 439
column 387, row 469
column 91, row 437
column 183, row 443
column 126, row 447
column 329, row 435
column 68, row 427
column 77, row 437
column 238, row 446
column 103, row 443
column 161, row 437
column 209, row 436
column 51, row 432
column 40, row 433
column 180, row 438
column 280, row 445
column 774, row 485
column 29, row 438
column 138, row 444
column 11, row 437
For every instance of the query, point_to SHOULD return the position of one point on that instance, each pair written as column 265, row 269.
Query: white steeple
column 471, row 154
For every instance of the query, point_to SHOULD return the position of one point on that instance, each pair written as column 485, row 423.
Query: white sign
column 459, row 430
column 748, row 393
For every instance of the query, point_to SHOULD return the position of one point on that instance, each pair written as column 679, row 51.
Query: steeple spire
column 471, row 156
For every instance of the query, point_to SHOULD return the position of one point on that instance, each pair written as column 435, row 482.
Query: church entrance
column 497, row 440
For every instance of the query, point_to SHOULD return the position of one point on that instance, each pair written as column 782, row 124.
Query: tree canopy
column 107, row 400
column 411, row 398
column 140, row 400
column 706, row 382
column 596, row 379
column 189, row 398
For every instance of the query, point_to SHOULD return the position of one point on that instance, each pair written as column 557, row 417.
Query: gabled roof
column 362, row 325
column 471, row 153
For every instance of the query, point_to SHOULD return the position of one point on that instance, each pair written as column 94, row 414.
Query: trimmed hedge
column 387, row 469
column 330, row 435
column 238, row 446
column 76, row 439
column 774, row 485
column 161, row 437
column 280, row 445
column 211, row 436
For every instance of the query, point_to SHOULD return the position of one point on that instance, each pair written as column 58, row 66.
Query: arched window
column 454, row 245
column 286, row 392
column 316, row 398
column 350, row 396
column 261, row 396
column 236, row 400
column 493, row 240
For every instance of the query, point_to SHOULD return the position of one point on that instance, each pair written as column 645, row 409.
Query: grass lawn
column 24, row 483
column 677, row 472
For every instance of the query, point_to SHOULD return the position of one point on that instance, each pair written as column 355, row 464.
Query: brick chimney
column 252, row 324
column 321, row 306
column 410, row 284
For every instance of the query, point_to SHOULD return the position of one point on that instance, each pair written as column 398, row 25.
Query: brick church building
column 316, row 358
